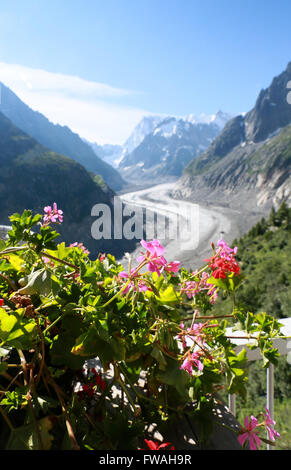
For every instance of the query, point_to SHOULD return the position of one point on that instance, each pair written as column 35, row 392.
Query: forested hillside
column 264, row 256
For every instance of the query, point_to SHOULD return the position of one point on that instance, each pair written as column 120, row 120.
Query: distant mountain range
column 167, row 149
column 249, row 162
column 108, row 152
column 55, row 137
column 161, row 146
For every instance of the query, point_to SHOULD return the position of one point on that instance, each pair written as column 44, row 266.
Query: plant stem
column 116, row 295
column 208, row 317
column 43, row 253
column 42, row 353
column 75, row 445
column 9, row 282
column 28, row 383
column 52, row 324
column 241, row 337
column 13, row 249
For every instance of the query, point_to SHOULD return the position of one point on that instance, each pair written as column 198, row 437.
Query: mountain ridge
column 60, row 139
column 168, row 146
column 250, row 155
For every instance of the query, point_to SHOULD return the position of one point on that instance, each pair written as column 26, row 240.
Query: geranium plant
column 159, row 351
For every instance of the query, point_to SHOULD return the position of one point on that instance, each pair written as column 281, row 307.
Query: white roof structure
column 283, row 344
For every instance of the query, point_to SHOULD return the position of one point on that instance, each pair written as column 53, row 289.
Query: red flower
column 101, row 383
column 88, row 389
column 156, row 446
column 1, row 302
column 221, row 266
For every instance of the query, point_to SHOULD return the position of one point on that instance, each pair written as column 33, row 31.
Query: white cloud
column 72, row 101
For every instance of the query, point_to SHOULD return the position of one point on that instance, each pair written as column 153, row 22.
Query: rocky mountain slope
column 58, row 138
column 249, row 162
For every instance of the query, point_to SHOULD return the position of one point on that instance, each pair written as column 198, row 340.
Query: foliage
column 264, row 254
column 158, row 352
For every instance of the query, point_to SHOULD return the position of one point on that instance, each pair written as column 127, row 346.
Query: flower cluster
column 81, row 247
column 155, row 259
column 192, row 288
column 89, row 388
column 223, row 261
column 155, row 262
column 249, row 432
column 192, row 360
column 53, row 214
column 136, row 282
column 193, row 340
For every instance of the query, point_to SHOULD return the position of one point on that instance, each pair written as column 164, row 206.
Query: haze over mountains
column 58, row 138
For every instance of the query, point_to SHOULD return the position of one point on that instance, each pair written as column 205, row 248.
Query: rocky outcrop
column 249, row 163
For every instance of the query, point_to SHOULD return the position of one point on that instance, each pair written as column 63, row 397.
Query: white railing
column 284, row 349
column 3, row 230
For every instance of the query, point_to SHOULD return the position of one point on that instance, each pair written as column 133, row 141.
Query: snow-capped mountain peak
column 184, row 129
column 220, row 118
column 143, row 128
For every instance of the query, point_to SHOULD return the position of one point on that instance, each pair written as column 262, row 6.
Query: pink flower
column 269, row 423
column 154, row 256
column 172, row 267
column 248, row 432
column 223, row 261
column 224, row 250
column 48, row 261
column 192, row 360
column 192, row 288
column 154, row 247
column 187, row 365
column 195, row 333
column 52, row 214
column 81, row 246
column 139, row 283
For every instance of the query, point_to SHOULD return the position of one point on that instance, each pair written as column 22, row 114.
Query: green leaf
column 222, row 283
column 173, row 375
column 61, row 252
column 38, row 282
column 3, row 367
column 168, row 296
column 26, row 437
column 92, row 344
column 16, row 330
column 16, row 261
column 157, row 354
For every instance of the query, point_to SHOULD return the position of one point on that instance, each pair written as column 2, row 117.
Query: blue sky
column 163, row 56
